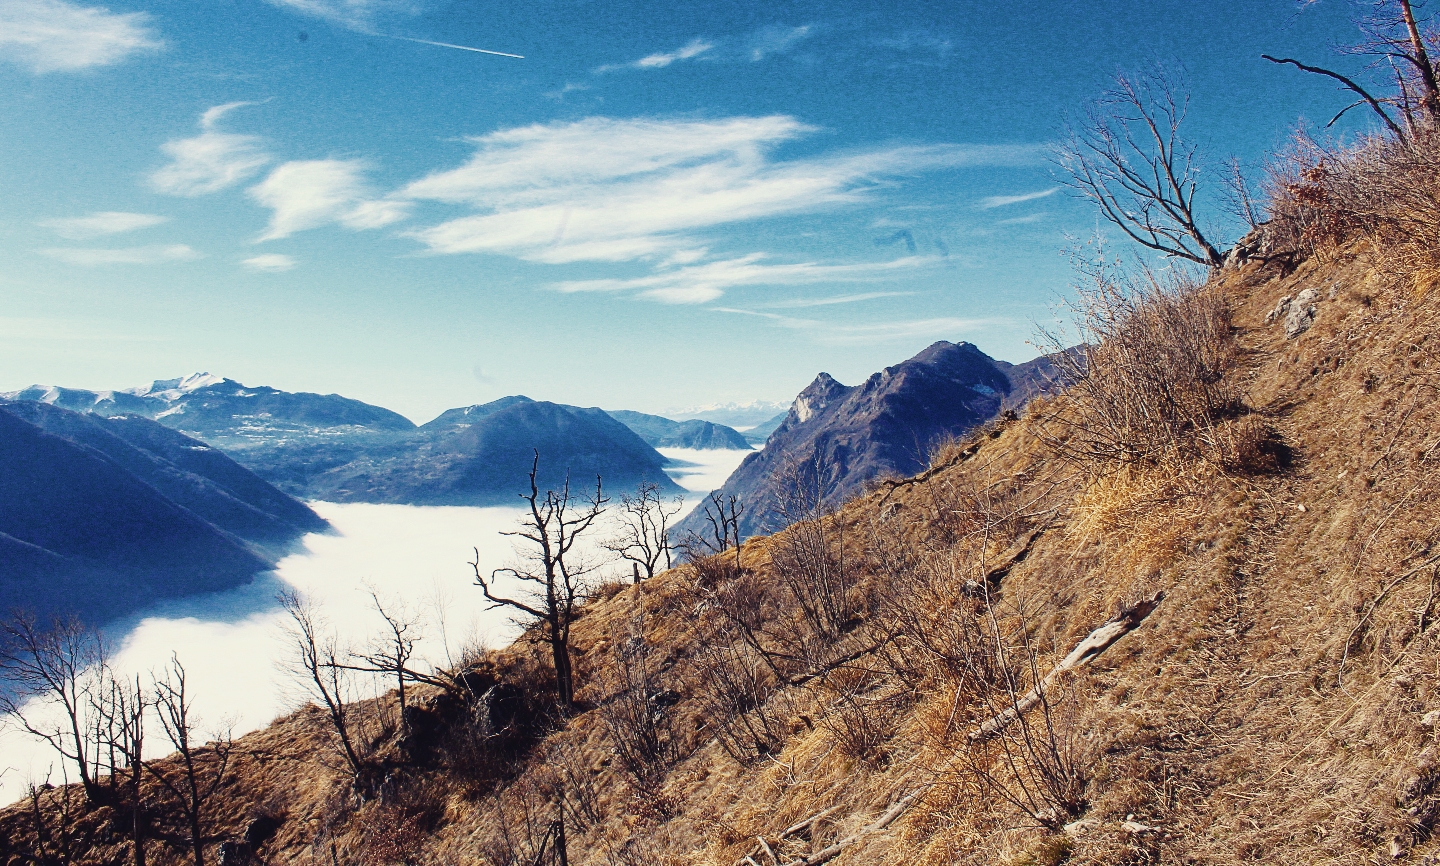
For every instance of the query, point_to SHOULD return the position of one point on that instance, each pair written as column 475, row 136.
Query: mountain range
column 837, row 438
column 100, row 516
column 324, row 446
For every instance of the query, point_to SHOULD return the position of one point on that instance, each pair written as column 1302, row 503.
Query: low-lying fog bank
column 234, row 646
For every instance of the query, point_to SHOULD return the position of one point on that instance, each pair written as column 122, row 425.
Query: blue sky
column 662, row 204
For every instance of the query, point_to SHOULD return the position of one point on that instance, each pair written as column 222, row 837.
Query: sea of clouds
column 416, row 559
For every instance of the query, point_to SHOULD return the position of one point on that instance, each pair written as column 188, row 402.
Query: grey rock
column 1301, row 313
column 1280, row 309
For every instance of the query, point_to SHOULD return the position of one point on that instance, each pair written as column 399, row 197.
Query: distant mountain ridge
column 851, row 435
column 660, row 432
column 338, row 449
column 102, row 516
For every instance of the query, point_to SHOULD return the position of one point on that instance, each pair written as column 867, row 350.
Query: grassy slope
column 1222, row 725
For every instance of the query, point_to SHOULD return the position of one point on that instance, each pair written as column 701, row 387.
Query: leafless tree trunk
column 119, row 713
column 644, row 535
column 722, row 514
column 1397, row 46
column 551, row 572
column 197, row 770
column 63, row 665
column 1127, row 156
column 317, row 665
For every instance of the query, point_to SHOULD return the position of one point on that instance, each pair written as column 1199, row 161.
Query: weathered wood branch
column 1084, row 652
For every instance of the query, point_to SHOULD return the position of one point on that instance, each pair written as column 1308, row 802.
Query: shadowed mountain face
column 840, row 437
column 102, row 516
column 660, row 432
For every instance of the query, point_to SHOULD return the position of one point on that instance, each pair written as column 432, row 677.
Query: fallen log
column 1084, row 652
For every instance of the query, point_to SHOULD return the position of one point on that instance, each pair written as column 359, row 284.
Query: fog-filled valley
column 234, row 644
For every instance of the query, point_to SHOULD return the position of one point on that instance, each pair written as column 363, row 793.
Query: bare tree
column 1400, row 51
column 643, row 538
column 392, row 651
column 63, row 666
column 317, row 664
column 197, row 770
column 551, row 572
column 722, row 517
column 119, row 722
column 636, row 715
column 1127, row 156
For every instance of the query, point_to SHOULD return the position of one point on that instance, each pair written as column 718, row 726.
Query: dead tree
column 119, row 723
column 722, row 518
column 1400, row 51
column 391, row 652
column 317, row 665
column 60, row 666
column 643, row 538
column 551, row 572
column 197, row 770
column 1127, row 156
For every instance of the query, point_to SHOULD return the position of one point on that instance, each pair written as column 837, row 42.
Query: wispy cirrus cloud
column 601, row 189
column 148, row 255
column 210, row 161
column 696, row 284
column 307, row 194
column 994, row 201
column 802, row 303
column 355, row 14
column 270, row 263
column 100, row 224
column 771, row 41
column 59, row 36
column 942, row 327
column 696, row 47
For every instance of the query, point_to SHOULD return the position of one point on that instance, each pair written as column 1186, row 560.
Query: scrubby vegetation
column 1183, row 611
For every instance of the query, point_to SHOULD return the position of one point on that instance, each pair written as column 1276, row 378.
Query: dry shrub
column 638, row 714
column 736, row 698
column 1383, row 188
column 1148, row 385
column 861, row 714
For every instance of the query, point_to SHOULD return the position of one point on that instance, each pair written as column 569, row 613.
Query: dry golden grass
column 1271, row 709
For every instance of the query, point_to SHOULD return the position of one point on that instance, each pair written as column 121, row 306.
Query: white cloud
column 355, row 14
column 942, row 327
column 307, row 194
column 150, row 255
column 1016, row 221
column 101, row 223
column 995, row 201
column 58, row 36
column 692, row 49
column 777, row 40
column 272, row 263
column 696, row 284
column 617, row 190
column 800, row 303
column 210, row 161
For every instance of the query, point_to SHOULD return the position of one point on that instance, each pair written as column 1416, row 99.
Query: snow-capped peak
column 173, row 389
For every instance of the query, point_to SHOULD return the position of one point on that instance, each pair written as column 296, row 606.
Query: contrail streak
column 461, row 47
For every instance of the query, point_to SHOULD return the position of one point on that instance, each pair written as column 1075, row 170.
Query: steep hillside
column 838, row 438
column 99, row 517
column 1231, row 621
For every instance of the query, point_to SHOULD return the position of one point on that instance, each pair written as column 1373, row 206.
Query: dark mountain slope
column 661, row 432
column 187, row 472
column 86, row 536
column 888, row 425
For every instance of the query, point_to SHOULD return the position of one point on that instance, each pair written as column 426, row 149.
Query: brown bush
column 1382, row 188
column 1148, row 384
